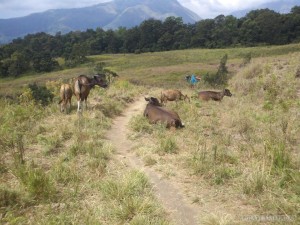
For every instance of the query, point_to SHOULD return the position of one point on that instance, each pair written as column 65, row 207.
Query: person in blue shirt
column 194, row 80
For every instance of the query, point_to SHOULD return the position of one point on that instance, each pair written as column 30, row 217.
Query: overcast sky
column 204, row 8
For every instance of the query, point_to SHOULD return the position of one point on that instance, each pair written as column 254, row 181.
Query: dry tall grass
column 241, row 153
column 237, row 159
column 59, row 169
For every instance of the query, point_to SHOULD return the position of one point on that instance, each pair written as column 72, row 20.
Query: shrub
column 41, row 94
column 221, row 77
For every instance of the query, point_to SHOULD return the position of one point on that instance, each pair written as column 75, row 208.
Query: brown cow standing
column 155, row 113
column 83, row 85
column 65, row 97
column 172, row 95
column 213, row 95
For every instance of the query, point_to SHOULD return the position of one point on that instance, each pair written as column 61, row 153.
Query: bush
column 41, row 94
column 221, row 77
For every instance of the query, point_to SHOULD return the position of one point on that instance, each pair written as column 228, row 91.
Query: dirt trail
column 172, row 198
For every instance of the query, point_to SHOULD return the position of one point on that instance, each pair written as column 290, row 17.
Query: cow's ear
column 147, row 99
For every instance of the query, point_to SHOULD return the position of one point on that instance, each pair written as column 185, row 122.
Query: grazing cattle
column 172, row 95
column 155, row 113
column 65, row 97
column 83, row 85
column 213, row 95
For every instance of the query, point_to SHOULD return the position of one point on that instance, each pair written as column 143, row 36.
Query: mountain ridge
column 280, row 7
column 108, row 15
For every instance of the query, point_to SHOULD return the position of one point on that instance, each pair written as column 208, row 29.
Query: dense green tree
column 43, row 62
column 169, row 28
column 112, row 42
column 225, row 31
column 150, row 32
column 14, row 66
column 77, row 55
column 203, row 33
column 131, row 40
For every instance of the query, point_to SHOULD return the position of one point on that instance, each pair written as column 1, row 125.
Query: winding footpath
column 173, row 200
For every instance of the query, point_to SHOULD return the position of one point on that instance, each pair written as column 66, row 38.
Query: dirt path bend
column 172, row 198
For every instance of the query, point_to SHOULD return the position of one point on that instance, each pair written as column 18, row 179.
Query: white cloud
column 213, row 8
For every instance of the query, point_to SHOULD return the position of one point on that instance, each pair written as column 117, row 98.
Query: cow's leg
column 68, row 106
column 85, row 103
column 64, row 106
column 78, row 106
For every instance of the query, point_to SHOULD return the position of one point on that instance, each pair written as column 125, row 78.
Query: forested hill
column 38, row 52
column 108, row 15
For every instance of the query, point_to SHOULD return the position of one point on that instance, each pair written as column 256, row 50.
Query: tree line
column 39, row 52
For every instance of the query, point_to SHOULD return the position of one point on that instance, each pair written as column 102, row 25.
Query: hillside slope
column 109, row 15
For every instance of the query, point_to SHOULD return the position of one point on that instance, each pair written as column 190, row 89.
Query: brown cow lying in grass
column 83, row 85
column 65, row 97
column 172, row 95
column 155, row 113
column 213, row 95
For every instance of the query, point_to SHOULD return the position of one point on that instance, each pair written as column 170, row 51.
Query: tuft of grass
column 36, row 182
column 51, row 143
column 140, row 124
column 222, row 174
column 110, row 109
column 131, row 184
column 9, row 198
column 279, row 154
column 167, row 144
column 100, row 154
column 149, row 161
column 132, row 200
column 64, row 174
column 255, row 182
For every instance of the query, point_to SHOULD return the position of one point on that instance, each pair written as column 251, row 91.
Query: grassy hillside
column 155, row 69
column 241, row 153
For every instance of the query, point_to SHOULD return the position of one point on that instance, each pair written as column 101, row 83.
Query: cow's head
column 100, row 80
column 153, row 101
column 227, row 93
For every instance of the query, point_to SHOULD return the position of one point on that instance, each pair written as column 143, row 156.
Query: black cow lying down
column 155, row 113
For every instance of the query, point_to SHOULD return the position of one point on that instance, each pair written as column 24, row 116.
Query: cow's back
column 66, row 91
column 208, row 95
column 171, row 95
column 159, row 114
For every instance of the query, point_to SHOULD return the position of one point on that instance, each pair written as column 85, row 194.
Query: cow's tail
column 65, row 94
